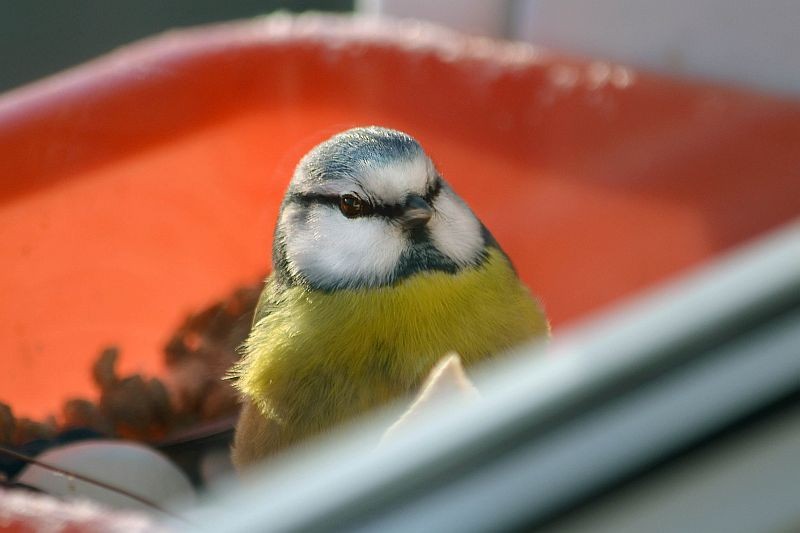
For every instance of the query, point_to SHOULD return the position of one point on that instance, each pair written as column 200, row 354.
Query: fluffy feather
column 360, row 306
column 316, row 358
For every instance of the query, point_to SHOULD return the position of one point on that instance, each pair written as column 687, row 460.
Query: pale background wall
column 745, row 42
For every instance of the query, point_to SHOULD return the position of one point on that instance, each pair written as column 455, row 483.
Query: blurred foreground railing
column 614, row 400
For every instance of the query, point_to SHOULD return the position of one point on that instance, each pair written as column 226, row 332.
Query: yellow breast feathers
column 317, row 358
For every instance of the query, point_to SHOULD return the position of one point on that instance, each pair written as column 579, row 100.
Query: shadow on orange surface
column 145, row 185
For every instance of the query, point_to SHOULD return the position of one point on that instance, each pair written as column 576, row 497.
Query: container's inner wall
column 146, row 185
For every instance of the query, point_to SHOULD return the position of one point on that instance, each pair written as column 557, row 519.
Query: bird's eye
column 352, row 206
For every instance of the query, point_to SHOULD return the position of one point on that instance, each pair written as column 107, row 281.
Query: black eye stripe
column 389, row 211
column 384, row 210
column 308, row 199
column 433, row 191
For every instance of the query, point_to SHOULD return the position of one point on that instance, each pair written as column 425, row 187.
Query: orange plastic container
column 145, row 185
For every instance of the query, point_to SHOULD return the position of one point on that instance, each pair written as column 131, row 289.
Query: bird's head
column 367, row 208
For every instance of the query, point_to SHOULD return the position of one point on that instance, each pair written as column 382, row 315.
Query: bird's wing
column 256, row 436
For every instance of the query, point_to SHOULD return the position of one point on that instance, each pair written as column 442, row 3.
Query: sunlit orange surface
column 146, row 184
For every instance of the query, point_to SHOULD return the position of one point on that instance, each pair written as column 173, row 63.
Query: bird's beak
column 417, row 212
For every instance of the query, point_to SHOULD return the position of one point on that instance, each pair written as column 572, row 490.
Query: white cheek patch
column 331, row 250
column 394, row 181
column 454, row 230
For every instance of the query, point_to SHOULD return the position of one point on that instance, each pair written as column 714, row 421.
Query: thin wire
column 81, row 477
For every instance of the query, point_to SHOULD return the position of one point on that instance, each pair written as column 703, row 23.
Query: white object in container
column 126, row 465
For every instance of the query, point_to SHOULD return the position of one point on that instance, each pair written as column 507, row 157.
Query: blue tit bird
column 379, row 270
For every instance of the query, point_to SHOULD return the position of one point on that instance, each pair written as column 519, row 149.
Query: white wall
column 746, row 42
